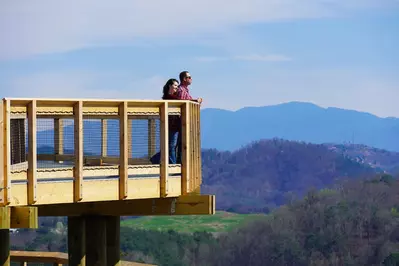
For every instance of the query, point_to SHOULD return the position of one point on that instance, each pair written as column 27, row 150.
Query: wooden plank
column 178, row 205
column 95, row 190
column 39, row 257
column 186, row 148
column 6, row 152
column 24, row 217
column 124, row 154
column 32, row 145
column 104, row 141
column 78, row 149
column 77, row 240
column 164, row 150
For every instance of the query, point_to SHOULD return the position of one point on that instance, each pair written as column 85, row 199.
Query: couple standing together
column 175, row 91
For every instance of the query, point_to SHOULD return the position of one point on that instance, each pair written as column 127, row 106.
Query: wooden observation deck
column 92, row 160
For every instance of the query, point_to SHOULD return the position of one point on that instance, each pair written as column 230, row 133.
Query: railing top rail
column 94, row 100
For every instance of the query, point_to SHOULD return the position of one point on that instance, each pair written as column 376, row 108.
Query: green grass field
column 220, row 222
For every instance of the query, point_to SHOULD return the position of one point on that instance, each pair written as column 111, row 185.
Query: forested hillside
column 356, row 223
column 266, row 173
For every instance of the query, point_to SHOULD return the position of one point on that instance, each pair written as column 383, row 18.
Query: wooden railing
column 46, row 148
column 25, row 257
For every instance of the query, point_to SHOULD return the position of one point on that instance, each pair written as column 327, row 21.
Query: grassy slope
column 220, row 222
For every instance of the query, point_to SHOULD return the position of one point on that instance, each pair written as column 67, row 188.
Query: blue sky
column 240, row 53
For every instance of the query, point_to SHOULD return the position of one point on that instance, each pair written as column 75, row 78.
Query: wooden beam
column 5, row 216
column 32, row 159
column 6, row 152
column 113, row 225
column 77, row 240
column 78, row 141
column 124, row 154
column 57, row 258
column 96, row 241
column 3, row 180
column 164, row 150
column 5, row 247
column 24, row 217
column 183, row 205
column 186, row 148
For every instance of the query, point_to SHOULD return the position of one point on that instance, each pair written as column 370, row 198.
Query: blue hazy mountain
column 230, row 130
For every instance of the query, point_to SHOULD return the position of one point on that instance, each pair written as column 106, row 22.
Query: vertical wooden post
column 151, row 137
column 185, row 170
column 4, row 247
column 32, row 155
column 96, row 242
column 78, row 146
column 123, row 158
column 113, row 240
column 2, row 160
column 199, row 157
column 58, row 137
column 6, row 155
column 164, row 150
column 77, row 240
column 103, row 137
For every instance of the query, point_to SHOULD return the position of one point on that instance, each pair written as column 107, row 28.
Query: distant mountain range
column 298, row 121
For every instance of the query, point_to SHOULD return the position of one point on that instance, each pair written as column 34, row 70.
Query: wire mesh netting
column 101, row 139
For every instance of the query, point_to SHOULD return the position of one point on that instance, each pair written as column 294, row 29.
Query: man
column 183, row 93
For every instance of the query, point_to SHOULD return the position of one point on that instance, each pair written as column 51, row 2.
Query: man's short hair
column 182, row 75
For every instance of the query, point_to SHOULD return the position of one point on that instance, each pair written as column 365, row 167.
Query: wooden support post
column 185, row 171
column 6, row 154
column 96, row 241
column 77, row 240
column 58, row 137
column 32, row 157
column 198, row 150
column 78, row 141
column 2, row 159
column 164, row 150
column 124, row 154
column 151, row 137
column 4, row 247
column 113, row 240
column 104, row 138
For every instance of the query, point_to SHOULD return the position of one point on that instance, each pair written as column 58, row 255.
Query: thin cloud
column 38, row 27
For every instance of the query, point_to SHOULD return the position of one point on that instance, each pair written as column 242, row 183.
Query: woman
column 170, row 93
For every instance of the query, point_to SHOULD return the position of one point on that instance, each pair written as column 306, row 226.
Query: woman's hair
column 166, row 88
